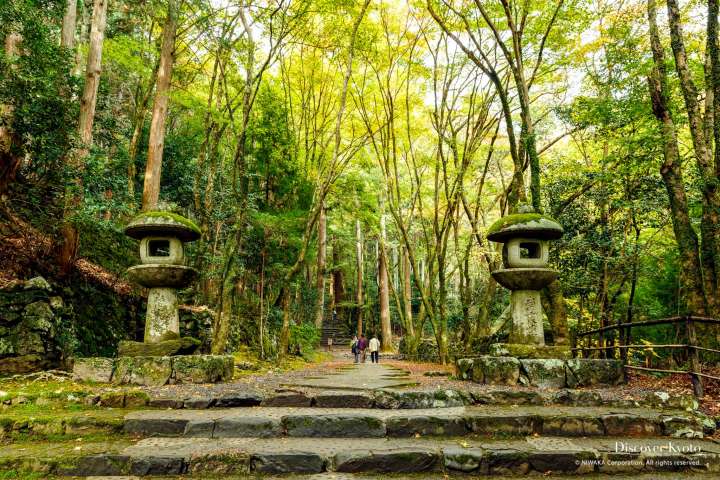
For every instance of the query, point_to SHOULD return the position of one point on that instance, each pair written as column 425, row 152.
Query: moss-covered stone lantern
column 162, row 269
column 525, row 237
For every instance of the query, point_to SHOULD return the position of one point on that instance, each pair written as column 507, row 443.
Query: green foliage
column 304, row 338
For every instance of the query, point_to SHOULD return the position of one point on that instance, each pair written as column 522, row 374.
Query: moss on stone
column 517, row 221
column 169, row 216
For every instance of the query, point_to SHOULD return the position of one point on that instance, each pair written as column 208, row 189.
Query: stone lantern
column 162, row 269
column 525, row 237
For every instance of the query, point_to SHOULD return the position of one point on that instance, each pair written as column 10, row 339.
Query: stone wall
column 539, row 372
column 33, row 327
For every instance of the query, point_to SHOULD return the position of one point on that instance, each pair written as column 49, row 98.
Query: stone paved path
column 360, row 376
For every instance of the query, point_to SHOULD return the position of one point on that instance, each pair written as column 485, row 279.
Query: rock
column 150, row 371
column 93, row 369
column 436, row 373
column 226, row 463
column 507, row 462
column 256, row 427
column 519, row 424
column 333, row 426
column 682, row 426
column 202, row 368
column 157, row 466
column 500, row 370
column 464, row 460
column 199, row 428
column 623, row 424
column 247, row 399
column 544, row 373
column 401, row 460
column 586, row 372
column 160, row 427
column 135, row 399
column 288, row 462
column 112, row 399
column 561, row 461
column 393, row 399
column 521, row 350
column 343, row 400
column 97, row 465
column 37, row 283
column 287, row 400
column 510, row 397
column 409, row 426
column 463, row 368
column 167, row 348
column 172, row 403
column 573, row 426
column 198, row 402
column 578, row 398
column 91, row 400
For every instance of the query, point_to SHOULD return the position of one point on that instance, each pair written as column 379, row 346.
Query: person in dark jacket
column 362, row 346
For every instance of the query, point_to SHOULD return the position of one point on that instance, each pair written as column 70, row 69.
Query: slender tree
column 156, row 141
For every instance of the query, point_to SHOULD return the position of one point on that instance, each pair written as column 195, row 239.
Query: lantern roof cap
column 525, row 224
column 162, row 223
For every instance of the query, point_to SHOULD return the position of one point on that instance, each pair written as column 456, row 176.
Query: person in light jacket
column 374, row 348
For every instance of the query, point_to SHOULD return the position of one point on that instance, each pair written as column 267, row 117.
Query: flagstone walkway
column 358, row 376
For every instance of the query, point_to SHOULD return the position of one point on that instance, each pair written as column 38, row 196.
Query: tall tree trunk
column 156, row 142
column 671, row 172
column 384, row 288
column 709, row 231
column 92, row 72
column 407, row 294
column 67, row 34
column 74, row 194
column 321, row 268
column 9, row 161
column 360, row 275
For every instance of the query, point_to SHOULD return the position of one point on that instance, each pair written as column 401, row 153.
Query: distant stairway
column 336, row 330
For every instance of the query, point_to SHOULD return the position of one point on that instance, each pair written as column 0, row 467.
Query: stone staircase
column 336, row 330
column 381, row 432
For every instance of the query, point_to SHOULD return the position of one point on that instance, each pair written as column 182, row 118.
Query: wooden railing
column 624, row 344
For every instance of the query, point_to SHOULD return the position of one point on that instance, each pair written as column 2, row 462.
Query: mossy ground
column 248, row 358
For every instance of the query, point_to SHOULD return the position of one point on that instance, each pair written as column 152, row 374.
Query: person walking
column 374, row 348
column 354, row 348
column 329, row 344
column 362, row 346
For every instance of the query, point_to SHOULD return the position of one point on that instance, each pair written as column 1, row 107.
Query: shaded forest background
column 344, row 156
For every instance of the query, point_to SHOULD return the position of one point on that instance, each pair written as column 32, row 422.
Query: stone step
column 455, row 421
column 412, row 399
column 531, row 455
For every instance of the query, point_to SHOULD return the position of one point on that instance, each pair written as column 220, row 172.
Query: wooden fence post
column 694, row 358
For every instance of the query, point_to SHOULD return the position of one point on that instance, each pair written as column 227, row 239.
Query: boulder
column 586, row 372
column 202, row 368
column 150, row 371
column 545, row 373
column 93, row 369
column 166, row 348
column 499, row 370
